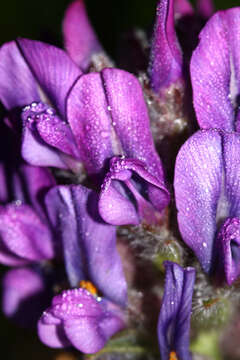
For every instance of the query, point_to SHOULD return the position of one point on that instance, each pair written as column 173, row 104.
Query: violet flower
column 105, row 117
column 79, row 317
column 41, row 76
column 215, row 72
column 25, row 235
column 207, row 199
column 175, row 313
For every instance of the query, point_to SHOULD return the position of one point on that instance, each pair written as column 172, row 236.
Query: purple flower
column 39, row 73
column 89, row 244
column 25, row 235
column 175, row 313
column 215, row 72
column 80, row 317
column 105, row 117
column 207, row 198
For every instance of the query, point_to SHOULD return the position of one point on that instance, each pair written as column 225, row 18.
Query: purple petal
column 89, row 244
column 198, row 185
column 182, row 8
column 165, row 66
column 23, row 295
column 9, row 258
column 47, row 140
column 130, row 118
column 205, row 8
column 53, row 70
column 52, row 335
column 23, row 233
column 90, row 121
column 17, row 85
column 215, row 71
column 86, row 321
column 37, row 181
column 228, row 247
column 38, row 153
column 175, row 313
column 116, row 209
column 79, row 37
column 88, row 335
column 207, row 196
column 231, row 149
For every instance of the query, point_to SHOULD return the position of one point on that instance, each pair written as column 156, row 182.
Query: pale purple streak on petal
column 80, row 39
column 53, row 70
column 17, row 84
column 23, row 233
column 89, row 244
column 215, row 71
column 130, row 119
column 90, row 121
column 165, row 65
column 18, row 286
column 175, row 313
column 198, row 184
column 205, row 8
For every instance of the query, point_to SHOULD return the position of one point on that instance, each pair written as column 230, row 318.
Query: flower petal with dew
column 89, row 244
column 77, row 318
column 37, row 72
column 207, row 197
column 166, row 64
column 175, row 313
column 215, row 72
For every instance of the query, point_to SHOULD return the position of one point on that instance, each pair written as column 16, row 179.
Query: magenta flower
column 207, row 198
column 80, row 317
column 175, row 313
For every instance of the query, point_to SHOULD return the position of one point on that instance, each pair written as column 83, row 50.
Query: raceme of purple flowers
column 79, row 158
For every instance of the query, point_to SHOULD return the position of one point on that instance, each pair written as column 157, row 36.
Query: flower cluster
column 118, row 216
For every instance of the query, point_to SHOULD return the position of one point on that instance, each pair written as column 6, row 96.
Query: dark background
column 41, row 20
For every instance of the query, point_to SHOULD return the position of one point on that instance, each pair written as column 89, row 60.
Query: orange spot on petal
column 173, row 356
column 88, row 286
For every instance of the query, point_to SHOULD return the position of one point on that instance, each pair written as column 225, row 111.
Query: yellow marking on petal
column 173, row 356
column 88, row 286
